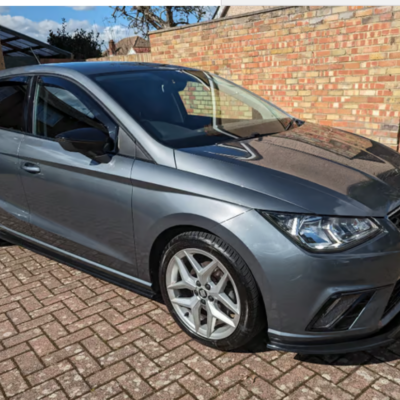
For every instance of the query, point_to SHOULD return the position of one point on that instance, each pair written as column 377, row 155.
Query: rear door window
column 13, row 103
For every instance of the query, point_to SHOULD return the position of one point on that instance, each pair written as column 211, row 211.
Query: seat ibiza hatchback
column 172, row 180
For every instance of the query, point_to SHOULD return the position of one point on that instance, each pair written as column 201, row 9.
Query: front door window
column 61, row 106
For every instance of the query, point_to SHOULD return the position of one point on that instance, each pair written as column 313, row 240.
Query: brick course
column 140, row 57
column 337, row 66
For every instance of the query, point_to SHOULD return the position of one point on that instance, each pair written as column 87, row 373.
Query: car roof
column 91, row 67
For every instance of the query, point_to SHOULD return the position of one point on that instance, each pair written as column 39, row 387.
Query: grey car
column 176, row 182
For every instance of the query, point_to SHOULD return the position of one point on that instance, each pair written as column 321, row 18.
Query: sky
column 37, row 21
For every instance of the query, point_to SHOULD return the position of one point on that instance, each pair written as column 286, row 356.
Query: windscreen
column 183, row 108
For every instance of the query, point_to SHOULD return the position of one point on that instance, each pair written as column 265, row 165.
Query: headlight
column 324, row 233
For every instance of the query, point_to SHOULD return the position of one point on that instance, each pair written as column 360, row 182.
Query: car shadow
column 389, row 354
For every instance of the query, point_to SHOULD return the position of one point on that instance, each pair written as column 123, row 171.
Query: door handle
column 31, row 168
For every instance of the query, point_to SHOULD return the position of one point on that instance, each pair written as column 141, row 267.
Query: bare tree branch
column 144, row 19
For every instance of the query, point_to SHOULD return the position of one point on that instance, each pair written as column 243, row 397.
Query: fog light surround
column 340, row 312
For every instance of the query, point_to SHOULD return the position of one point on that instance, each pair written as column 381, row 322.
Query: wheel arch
column 159, row 245
column 254, row 318
column 221, row 232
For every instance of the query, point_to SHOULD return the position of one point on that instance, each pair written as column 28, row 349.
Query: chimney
column 112, row 49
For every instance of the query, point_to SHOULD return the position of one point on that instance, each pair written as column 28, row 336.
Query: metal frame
column 29, row 50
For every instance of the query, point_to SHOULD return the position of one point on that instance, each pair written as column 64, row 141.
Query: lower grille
column 351, row 315
column 395, row 218
column 340, row 311
column 393, row 300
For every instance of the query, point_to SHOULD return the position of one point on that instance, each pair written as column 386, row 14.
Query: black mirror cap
column 91, row 142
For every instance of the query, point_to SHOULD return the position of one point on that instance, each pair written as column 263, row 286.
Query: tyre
column 210, row 291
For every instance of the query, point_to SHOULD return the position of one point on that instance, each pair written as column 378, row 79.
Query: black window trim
column 31, row 97
column 25, row 104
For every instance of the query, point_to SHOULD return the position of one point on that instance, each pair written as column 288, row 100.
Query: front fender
column 158, row 204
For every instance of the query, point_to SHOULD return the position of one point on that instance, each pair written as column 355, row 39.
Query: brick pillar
column 2, row 64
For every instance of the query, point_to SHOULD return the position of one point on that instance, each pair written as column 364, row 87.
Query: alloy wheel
column 203, row 293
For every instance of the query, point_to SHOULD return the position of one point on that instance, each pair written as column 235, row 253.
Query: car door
column 77, row 205
column 14, row 212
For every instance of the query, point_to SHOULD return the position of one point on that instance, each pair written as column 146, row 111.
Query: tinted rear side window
column 13, row 93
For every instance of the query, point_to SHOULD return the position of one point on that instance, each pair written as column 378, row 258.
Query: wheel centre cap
column 202, row 293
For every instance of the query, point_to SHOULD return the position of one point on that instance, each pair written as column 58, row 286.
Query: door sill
column 99, row 271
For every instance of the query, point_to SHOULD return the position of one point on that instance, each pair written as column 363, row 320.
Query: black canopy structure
column 16, row 44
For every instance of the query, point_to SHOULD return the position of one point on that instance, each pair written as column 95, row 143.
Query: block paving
column 67, row 335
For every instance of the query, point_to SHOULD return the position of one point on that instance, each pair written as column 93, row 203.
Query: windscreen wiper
column 298, row 123
column 289, row 125
column 256, row 135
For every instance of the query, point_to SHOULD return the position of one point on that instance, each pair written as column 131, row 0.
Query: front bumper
column 295, row 284
column 385, row 337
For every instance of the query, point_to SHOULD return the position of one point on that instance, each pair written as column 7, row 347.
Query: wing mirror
column 91, row 142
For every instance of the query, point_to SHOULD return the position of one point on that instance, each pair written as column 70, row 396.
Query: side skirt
column 4, row 243
column 130, row 283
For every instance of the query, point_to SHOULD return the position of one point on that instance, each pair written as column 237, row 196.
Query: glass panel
column 12, row 103
column 4, row 35
column 40, row 52
column 17, row 54
column 184, row 108
column 60, row 108
column 27, row 43
column 45, row 51
column 199, row 100
column 70, row 99
column 21, row 44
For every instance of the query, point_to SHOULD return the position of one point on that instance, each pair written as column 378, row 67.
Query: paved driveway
column 65, row 335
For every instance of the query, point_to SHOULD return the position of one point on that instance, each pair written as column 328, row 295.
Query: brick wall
column 198, row 100
column 338, row 66
column 235, row 10
column 139, row 50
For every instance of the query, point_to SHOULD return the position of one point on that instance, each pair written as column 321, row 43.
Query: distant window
column 61, row 106
column 12, row 103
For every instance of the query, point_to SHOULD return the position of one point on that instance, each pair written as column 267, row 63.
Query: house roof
column 16, row 44
column 124, row 45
